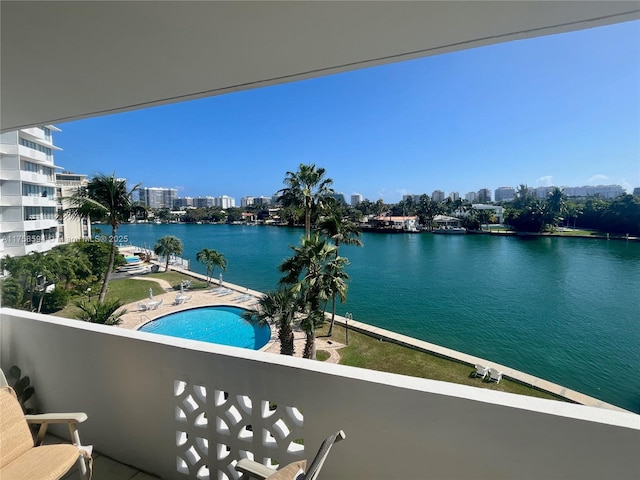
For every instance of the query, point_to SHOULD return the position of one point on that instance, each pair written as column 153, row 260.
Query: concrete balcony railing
column 184, row 409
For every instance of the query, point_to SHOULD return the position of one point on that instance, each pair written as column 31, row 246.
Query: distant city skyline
column 556, row 110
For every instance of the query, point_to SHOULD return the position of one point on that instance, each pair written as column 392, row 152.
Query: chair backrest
column 15, row 437
column 321, row 456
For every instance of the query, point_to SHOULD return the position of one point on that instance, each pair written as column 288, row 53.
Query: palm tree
column 341, row 231
column 211, row 259
column 167, row 246
column 335, row 285
column 105, row 198
column 306, row 188
column 557, row 206
column 305, row 273
column 278, row 308
column 101, row 312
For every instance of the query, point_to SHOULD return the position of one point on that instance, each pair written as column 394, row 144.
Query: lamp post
column 89, row 293
column 347, row 316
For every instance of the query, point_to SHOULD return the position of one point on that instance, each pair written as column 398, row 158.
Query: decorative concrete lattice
column 241, row 428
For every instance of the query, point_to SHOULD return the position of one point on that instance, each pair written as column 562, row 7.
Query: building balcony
column 40, row 246
column 38, row 178
column 30, row 153
column 184, row 409
column 35, row 201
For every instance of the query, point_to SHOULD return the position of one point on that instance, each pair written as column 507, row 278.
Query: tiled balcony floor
column 104, row 468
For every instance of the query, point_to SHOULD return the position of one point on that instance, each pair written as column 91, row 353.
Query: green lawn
column 129, row 290
column 174, row 278
column 367, row 352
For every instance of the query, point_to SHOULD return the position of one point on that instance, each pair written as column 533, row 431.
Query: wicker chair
column 21, row 459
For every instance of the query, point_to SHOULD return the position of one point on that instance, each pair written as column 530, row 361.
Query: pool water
column 132, row 259
column 221, row 325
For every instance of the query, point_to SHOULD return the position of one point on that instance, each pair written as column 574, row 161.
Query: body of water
column 564, row 309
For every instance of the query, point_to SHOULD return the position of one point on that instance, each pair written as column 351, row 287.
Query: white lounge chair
column 495, row 375
column 481, row 371
column 155, row 305
column 293, row 471
column 141, row 307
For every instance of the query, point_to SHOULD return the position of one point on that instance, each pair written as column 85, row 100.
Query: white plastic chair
column 481, row 371
column 495, row 375
column 250, row 469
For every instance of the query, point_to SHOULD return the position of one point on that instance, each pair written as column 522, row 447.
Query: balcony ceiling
column 62, row 61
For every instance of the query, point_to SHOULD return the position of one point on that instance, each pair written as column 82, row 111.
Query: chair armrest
column 46, row 419
column 76, row 417
column 254, row 469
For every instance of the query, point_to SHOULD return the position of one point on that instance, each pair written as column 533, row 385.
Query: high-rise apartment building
column 247, row 201
column 224, row 201
column 602, row 191
column 28, row 208
column 70, row 229
column 454, row 196
column 183, row 202
column 505, row 194
column 157, row 197
column 356, row 198
column 438, row 196
column 471, row 197
column 484, row 195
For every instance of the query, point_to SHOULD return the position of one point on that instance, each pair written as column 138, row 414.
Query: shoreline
column 381, row 334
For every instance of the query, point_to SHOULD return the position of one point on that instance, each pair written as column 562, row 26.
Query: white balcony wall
column 143, row 393
column 10, row 226
column 39, row 178
column 36, row 132
column 35, row 154
column 8, row 139
column 41, row 247
column 40, row 224
column 9, row 174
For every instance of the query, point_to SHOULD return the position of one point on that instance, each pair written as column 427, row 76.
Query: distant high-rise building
column 505, row 194
column 413, row 198
column 484, row 195
column 157, row 197
column 261, row 200
column 636, row 192
column 471, row 197
column 28, row 206
column 70, row 229
column 339, row 197
column 602, row 191
column 224, row 201
column 356, row 198
column 183, row 202
column 246, row 201
column 438, row 196
column 203, row 202
column 454, row 196
column 543, row 192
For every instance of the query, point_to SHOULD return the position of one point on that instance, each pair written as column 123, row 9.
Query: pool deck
column 210, row 297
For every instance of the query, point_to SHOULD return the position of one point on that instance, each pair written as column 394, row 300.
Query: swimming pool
column 222, row 325
column 132, row 259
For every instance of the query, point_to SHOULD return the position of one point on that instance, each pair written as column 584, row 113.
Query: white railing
column 184, row 409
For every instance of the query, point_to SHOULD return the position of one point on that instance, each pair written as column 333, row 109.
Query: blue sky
column 556, row 110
